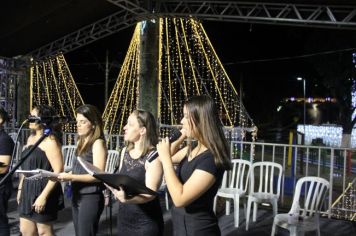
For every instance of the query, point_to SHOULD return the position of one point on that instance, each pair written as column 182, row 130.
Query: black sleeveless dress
column 139, row 219
column 31, row 189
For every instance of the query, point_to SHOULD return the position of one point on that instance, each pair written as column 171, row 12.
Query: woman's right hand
column 65, row 177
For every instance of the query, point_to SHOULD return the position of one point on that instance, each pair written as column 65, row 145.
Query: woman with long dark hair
column 40, row 199
column 87, row 196
column 200, row 168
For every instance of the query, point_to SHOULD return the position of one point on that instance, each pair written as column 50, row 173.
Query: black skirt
column 194, row 223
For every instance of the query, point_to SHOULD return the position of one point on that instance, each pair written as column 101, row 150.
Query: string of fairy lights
column 188, row 65
column 345, row 206
column 52, row 83
column 123, row 99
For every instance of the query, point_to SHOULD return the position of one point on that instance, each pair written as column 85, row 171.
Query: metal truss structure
column 9, row 77
column 132, row 11
column 52, row 83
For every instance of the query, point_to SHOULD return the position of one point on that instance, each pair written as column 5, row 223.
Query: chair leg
column 273, row 232
column 248, row 212
column 293, row 231
column 274, row 206
column 318, row 225
column 254, row 215
column 245, row 208
column 227, row 207
column 236, row 210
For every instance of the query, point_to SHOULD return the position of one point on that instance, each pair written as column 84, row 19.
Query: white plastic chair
column 234, row 185
column 266, row 190
column 112, row 161
column 68, row 152
column 304, row 215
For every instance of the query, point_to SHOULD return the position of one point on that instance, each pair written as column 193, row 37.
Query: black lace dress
column 31, row 189
column 139, row 219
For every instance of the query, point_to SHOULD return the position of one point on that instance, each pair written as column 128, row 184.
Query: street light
column 304, row 106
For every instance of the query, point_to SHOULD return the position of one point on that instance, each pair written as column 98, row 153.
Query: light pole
column 304, row 106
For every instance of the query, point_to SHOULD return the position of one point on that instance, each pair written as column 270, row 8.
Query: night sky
column 267, row 58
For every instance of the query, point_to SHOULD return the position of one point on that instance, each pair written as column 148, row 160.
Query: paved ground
column 64, row 225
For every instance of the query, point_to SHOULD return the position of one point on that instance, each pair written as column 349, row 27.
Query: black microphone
column 47, row 119
column 175, row 134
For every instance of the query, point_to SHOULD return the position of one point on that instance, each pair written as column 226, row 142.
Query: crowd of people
column 192, row 167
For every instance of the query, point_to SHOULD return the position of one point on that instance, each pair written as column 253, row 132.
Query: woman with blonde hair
column 140, row 214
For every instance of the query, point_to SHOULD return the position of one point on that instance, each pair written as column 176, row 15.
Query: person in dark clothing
column 40, row 199
column 6, row 149
column 140, row 214
column 200, row 168
column 87, row 192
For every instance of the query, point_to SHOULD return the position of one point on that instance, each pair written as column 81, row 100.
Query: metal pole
column 304, row 110
column 106, row 77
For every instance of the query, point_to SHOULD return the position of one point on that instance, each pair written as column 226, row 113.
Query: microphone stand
column 46, row 133
column 108, row 202
column 110, row 212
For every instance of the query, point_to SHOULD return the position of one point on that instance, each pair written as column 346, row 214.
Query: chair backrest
column 238, row 177
column 266, row 171
column 314, row 190
column 112, row 161
column 68, row 152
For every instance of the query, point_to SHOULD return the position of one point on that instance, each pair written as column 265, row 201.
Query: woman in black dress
column 40, row 199
column 140, row 214
column 200, row 168
column 87, row 196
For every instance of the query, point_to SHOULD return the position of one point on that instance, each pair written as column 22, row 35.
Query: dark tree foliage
column 335, row 69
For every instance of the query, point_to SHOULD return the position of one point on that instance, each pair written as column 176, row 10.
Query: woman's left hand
column 163, row 148
column 120, row 194
column 40, row 204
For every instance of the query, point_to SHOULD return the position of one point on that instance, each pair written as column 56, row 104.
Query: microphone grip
column 152, row 156
column 175, row 134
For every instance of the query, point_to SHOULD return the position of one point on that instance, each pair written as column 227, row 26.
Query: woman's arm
column 19, row 189
column 99, row 160
column 183, row 194
column 178, row 157
column 153, row 180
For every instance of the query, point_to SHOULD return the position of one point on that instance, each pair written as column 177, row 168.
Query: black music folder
column 130, row 185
